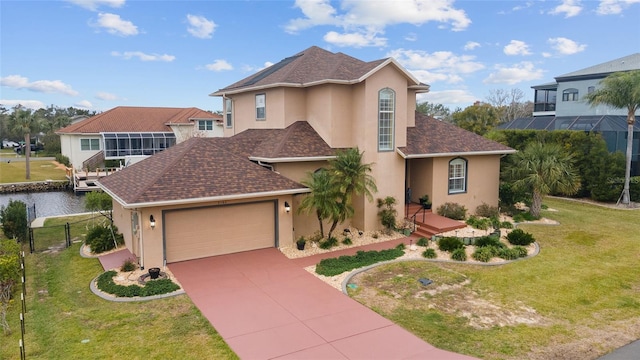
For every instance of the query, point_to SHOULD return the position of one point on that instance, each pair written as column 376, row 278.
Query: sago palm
column 544, row 169
column 322, row 198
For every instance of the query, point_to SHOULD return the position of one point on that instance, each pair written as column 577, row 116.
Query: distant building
column 559, row 105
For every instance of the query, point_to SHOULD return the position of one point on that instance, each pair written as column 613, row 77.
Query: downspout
column 265, row 165
column 140, row 240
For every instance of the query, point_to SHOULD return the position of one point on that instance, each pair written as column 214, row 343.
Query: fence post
column 31, row 240
column 67, row 233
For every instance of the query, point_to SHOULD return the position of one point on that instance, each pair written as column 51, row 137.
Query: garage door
column 203, row 232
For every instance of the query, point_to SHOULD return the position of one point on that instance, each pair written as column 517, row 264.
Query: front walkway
column 266, row 306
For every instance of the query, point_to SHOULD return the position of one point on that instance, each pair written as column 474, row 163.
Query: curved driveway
column 265, row 306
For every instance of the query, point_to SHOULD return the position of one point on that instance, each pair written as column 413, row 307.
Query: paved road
column 627, row 352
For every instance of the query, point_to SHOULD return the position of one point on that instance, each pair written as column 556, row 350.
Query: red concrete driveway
column 267, row 307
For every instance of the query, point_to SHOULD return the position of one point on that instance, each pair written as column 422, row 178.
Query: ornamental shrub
column 483, row 254
column 478, row 223
column 459, row 255
column 152, row 287
column 452, row 211
column 401, row 246
column 450, row 244
column 128, row 265
column 64, row 160
column 103, row 238
column 488, row 241
column 520, row 237
column 521, row 250
column 487, row 211
column 422, row 241
column 336, row 266
column 347, row 241
column 506, row 225
column 329, row 243
column 14, row 220
column 429, row 254
column 508, row 254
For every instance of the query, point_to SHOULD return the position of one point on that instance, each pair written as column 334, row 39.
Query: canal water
column 50, row 203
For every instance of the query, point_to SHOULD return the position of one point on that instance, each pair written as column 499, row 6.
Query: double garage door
column 209, row 231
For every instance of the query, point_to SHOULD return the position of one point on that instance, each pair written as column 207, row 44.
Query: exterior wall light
column 287, row 207
column 152, row 222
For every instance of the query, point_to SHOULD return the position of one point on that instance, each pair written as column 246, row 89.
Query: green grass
column 65, row 319
column 15, row 171
column 584, row 283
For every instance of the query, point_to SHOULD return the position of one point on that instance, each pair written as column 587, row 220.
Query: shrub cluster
column 488, row 211
column 422, row 241
column 347, row 241
column 520, row 237
column 128, row 265
column 459, row 255
column 452, row 211
column 329, row 243
column 450, row 244
column 524, row 216
column 335, row 266
column 103, row 238
column 483, row 254
column 153, row 287
column 479, row 223
column 429, row 254
column 64, row 160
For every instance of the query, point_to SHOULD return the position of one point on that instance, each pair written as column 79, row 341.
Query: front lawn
column 66, row 320
column 578, row 299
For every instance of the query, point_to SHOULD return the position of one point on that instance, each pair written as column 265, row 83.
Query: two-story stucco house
column 130, row 133
column 214, row 196
column 560, row 105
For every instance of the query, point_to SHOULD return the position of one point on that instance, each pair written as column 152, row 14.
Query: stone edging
column 94, row 288
column 366, row 268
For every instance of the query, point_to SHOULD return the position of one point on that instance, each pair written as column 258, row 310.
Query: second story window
column 261, row 107
column 205, row 125
column 570, row 95
column 386, row 115
column 89, row 144
column 228, row 111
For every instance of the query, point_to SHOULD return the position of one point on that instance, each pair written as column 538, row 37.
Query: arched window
column 570, row 95
column 457, row 176
column 386, row 116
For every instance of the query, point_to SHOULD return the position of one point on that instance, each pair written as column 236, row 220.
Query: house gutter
column 466, row 153
column 291, row 159
column 203, row 199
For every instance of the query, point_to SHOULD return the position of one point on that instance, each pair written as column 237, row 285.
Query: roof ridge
column 287, row 131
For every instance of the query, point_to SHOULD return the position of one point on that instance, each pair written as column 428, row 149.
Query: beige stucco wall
column 297, row 171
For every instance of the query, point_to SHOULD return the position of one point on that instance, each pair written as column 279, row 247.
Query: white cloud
column 106, row 96
column 31, row 104
column 219, row 65
column 470, row 45
column 45, row 86
column 93, row 5
column 566, row 46
column 612, row 7
column 411, row 37
column 115, row 25
column 84, row 104
column 569, row 8
column 361, row 19
column 354, row 39
column 447, row 97
column 143, row 56
column 517, row 47
column 200, row 26
column 437, row 66
column 523, row 71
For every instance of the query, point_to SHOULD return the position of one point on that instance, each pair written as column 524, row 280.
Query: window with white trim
column 205, row 125
column 228, row 111
column 386, row 116
column 261, row 107
column 457, row 176
column 89, row 144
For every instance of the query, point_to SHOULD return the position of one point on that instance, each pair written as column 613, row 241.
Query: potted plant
column 300, row 243
column 425, row 202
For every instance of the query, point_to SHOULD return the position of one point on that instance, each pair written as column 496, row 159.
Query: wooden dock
column 84, row 181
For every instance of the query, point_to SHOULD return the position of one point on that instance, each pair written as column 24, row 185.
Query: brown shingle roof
column 194, row 169
column 137, row 119
column 298, row 140
column 311, row 65
column 431, row 137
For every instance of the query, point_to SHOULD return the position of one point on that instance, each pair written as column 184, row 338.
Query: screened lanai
column 119, row 145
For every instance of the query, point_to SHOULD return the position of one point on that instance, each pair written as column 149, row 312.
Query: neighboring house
column 559, row 105
column 208, row 197
column 131, row 133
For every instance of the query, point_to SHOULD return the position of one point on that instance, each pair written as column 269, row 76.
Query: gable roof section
column 434, row 138
column 314, row 66
column 298, row 141
column 137, row 119
column 196, row 170
column 627, row 63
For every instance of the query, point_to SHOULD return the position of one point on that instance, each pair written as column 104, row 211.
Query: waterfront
column 50, row 203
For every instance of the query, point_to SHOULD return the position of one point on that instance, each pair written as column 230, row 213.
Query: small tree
column 98, row 201
column 322, row 198
column 14, row 220
column 9, row 275
column 387, row 213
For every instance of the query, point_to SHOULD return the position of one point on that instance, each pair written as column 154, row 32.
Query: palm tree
column 543, row 169
column 322, row 197
column 349, row 176
column 25, row 121
column 621, row 90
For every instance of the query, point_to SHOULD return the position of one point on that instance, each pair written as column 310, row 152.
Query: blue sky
column 98, row 54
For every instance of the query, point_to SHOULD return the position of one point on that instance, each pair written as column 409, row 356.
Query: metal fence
column 54, row 238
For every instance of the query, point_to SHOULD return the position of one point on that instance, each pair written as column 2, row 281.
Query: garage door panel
column 196, row 233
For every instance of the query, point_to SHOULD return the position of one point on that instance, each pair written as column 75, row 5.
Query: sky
column 99, row 54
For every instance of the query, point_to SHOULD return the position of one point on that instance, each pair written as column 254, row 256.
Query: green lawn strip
column 336, row 266
column 53, row 232
column 40, row 170
column 585, row 277
column 65, row 319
